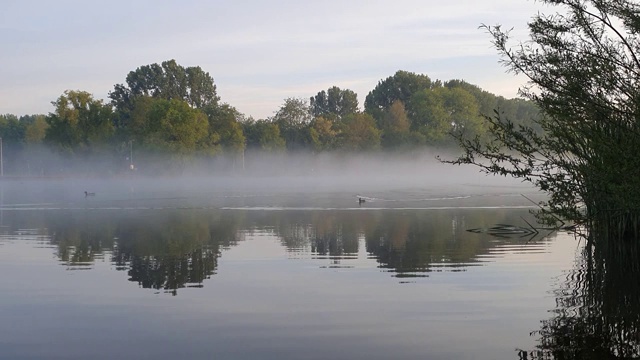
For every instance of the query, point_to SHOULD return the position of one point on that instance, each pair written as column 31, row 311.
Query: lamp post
column 131, row 154
column 1, row 160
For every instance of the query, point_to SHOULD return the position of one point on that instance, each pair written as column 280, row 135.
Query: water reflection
column 171, row 249
column 164, row 250
column 406, row 243
column 598, row 303
column 598, row 308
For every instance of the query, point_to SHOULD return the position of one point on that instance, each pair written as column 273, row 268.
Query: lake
column 276, row 268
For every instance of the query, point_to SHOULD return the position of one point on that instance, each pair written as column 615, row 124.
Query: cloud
column 258, row 52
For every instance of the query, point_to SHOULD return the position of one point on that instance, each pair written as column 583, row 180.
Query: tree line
column 174, row 112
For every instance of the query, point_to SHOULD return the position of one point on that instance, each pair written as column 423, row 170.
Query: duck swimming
column 89, row 194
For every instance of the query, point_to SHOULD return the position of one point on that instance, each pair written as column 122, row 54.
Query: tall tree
column 263, row 135
column 584, row 73
column 173, row 126
column 439, row 112
column 35, row 128
column 293, row 112
column 225, row 127
column 79, row 122
column 322, row 134
column 401, row 86
column 429, row 114
column 168, row 80
column 12, row 130
column 487, row 101
column 293, row 119
column 334, row 102
column 520, row 111
column 359, row 132
column 395, row 125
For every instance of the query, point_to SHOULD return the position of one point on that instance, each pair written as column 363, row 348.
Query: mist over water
column 273, row 181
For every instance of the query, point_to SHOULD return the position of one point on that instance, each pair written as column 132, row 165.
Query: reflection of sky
column 265, row 304
column 258, row 52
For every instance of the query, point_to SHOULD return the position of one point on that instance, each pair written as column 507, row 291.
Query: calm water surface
column 280, row 272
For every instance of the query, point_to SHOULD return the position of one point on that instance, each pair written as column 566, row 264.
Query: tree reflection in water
column 160, row 250
column 404, row 243
column 598, row 307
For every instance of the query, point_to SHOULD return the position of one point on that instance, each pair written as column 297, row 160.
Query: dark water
column 248, row 272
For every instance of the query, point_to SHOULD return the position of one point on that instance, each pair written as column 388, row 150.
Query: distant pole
column 131, row 154
column 1, row 160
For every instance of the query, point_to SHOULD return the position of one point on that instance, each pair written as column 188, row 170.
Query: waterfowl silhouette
column 361, row 200
column 89, row 194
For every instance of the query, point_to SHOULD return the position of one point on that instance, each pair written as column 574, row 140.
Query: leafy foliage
column 323, row 134
column 225, row 129
column 292, row 120
column 264, row 135
column 584, row 73
column 167, row 81
column 172, row 125
column 395, row 126
column 334, row 103
column 401, row 86
column 79, row 122
column 172, row 109
column 359, row 132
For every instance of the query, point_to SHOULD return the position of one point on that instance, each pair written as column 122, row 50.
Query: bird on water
column 86, row 193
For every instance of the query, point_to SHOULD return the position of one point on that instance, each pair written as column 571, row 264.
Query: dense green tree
column 12, row 130
column 401, row 86
column 35, row 128
column 436, row 113
column 358, row 132
column 293, row 119
column 334, row 103
column 174, row 126
column 293, row 112
column 396, row 119
column 139, row 125
column 487, row 102
column 12, row 133
column 464, row 112
column 520, row 111
column 429, row 114
column 395, row 126
column 168, row 80
column 323, row 134
column 225, row 128
column 263, row 135
column 79, row 122
column 583, row 71
column 34, row 157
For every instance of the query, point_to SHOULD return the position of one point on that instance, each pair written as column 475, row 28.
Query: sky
column 259, row 52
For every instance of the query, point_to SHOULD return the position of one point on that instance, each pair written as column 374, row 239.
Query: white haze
column 268, row 181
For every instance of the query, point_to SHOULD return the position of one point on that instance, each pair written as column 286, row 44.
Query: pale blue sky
column 258, row 52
